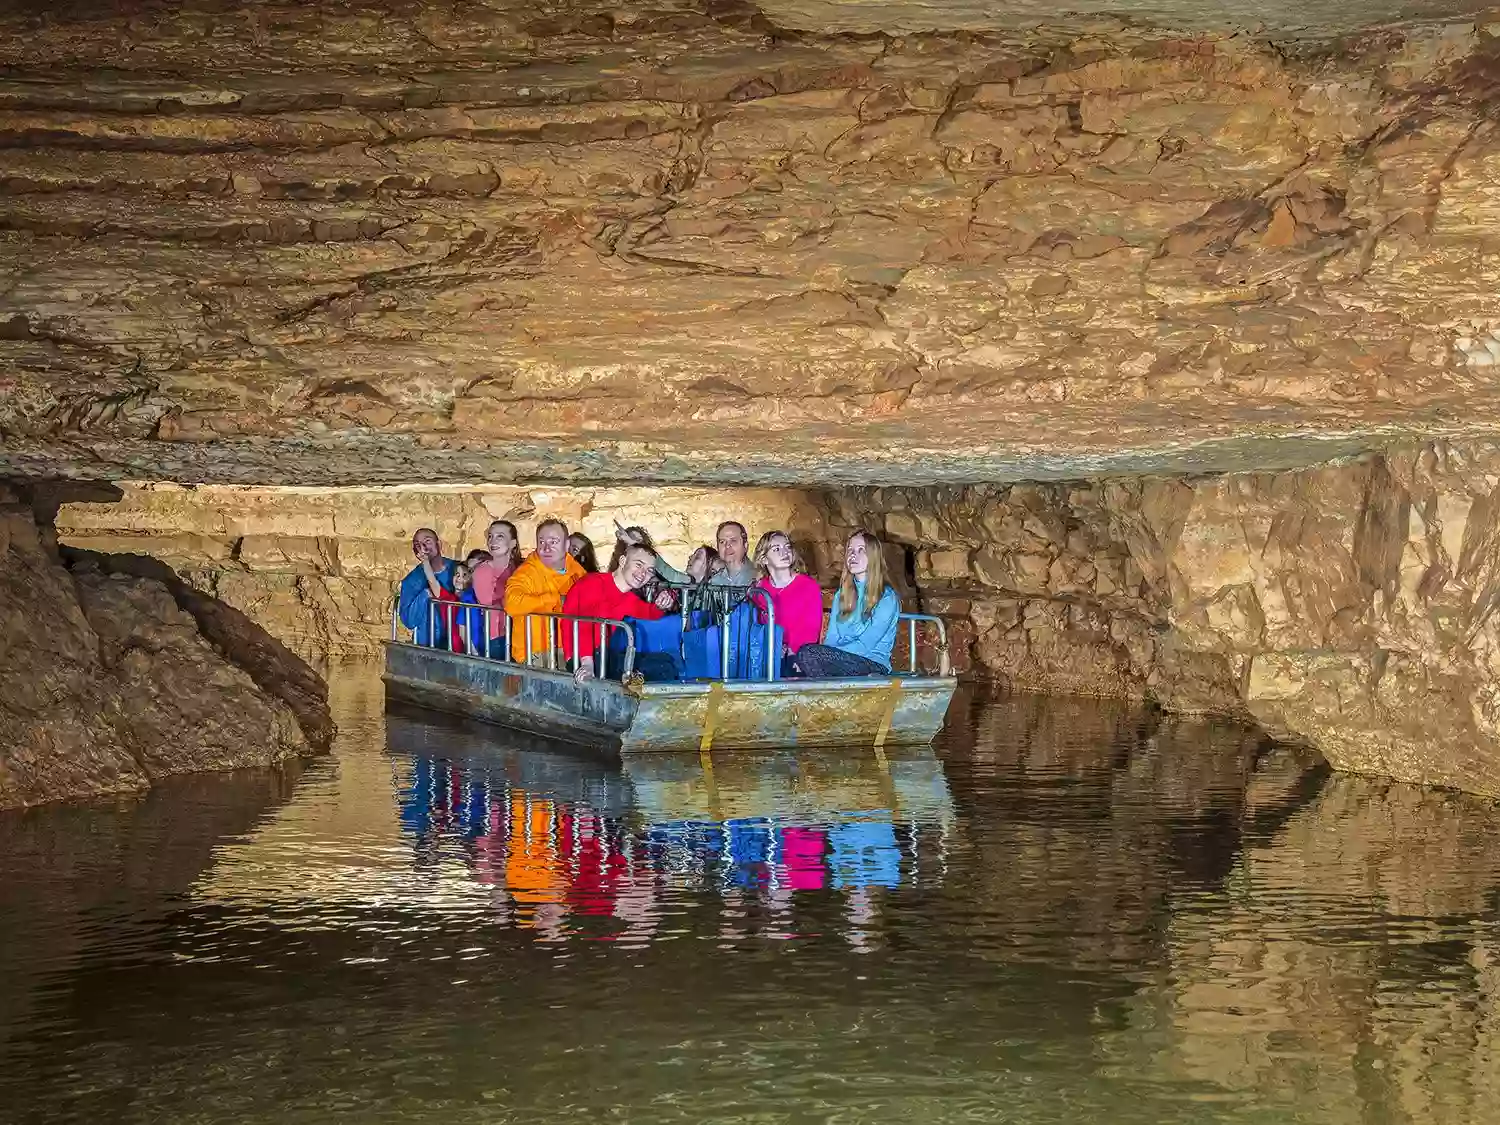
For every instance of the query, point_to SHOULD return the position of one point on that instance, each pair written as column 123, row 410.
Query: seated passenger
column 491, row 575
column 626, row 537
column 581, row 547
column 703, row 564
column 446, row 602
column 734, row 551
column 539, row 586
column 614, row 596
column 794, row 596
column 414, row 605
column 862, row 624
column 471, row 631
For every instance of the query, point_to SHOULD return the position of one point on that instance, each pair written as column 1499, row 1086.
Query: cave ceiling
column 362, row 243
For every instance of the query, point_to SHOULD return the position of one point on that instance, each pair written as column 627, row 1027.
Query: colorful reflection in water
column 569, row 847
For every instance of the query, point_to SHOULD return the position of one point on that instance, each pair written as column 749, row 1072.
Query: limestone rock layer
column 386, row 242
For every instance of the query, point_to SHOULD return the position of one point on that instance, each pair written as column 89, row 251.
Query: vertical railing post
column 507, row 655
column 601, row 648
column 724, row 646
column 773, row 656
column 552, row 642
column 629, row 653
column 526, row 630
column 395, row 617
column 911, row 643
column 576, row 657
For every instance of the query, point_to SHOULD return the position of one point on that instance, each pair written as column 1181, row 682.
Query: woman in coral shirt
column 490, row 579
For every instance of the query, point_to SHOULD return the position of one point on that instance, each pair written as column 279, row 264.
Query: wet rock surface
column 386, row 242
column 106, row 685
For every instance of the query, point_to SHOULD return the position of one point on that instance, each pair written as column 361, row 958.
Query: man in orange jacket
column 539, row 585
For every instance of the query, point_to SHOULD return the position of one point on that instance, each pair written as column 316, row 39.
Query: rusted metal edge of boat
column 633, row 717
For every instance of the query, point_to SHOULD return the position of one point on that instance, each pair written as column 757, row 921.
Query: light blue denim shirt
column 872, row 637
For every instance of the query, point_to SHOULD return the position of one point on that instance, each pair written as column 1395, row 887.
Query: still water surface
column 1070, row 912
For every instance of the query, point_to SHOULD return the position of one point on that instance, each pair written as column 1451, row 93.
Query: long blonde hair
column 763, row 552
column 875, row 583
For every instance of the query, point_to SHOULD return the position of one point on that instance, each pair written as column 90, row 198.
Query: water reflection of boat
column 557, row 836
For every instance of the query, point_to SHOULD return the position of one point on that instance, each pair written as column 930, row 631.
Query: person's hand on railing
column 584, row 671
column 665, row 600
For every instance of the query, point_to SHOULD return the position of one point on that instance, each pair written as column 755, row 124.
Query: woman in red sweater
column 611, row 595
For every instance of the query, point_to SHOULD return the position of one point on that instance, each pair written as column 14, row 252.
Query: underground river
column 1070, row 911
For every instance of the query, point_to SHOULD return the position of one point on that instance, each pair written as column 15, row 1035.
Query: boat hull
column 738, row 714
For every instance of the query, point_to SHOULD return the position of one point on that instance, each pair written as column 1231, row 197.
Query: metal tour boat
column 741, row 707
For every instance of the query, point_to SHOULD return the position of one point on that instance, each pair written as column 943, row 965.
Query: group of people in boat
column 442, row 599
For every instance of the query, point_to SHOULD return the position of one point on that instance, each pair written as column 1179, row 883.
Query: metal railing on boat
column 447, row 613
column 444, row 615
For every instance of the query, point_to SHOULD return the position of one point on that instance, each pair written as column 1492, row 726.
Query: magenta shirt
column 799, row 609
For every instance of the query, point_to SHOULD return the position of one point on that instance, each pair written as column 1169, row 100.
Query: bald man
column 415, row 606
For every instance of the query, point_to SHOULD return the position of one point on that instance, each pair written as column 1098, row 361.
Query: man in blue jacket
column 415, row 605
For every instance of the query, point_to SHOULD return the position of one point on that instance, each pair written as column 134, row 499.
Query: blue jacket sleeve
column 414, row 605
column 414, row 600
column 883, row 625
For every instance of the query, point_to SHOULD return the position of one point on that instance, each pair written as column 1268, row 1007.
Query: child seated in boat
column 445, row 613
column 862, row 622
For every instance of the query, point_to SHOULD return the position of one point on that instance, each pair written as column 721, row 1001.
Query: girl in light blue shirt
column 862, row 622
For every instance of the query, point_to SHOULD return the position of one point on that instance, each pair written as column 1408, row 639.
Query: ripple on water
column 1070, row 911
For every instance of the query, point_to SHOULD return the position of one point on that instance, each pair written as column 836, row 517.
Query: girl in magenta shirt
column 797, row 599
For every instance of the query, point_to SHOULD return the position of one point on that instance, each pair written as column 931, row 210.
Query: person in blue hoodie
column 416, row 600
column 862, row 621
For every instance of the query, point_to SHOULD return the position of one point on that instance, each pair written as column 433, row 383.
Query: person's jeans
column 823, row 662
column 654, row 667
column 499, row 650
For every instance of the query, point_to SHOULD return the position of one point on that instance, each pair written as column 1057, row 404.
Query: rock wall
column 1352, row 606
column 317, row 568
column 107, row 684
column 308, row 242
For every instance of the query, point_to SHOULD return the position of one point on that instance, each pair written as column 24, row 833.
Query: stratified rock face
column 106, row 685
column 1352, row 607
column 318, row 569
column 356, row 243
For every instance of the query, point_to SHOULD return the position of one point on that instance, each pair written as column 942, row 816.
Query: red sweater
column 596, row 595
column 451, row 620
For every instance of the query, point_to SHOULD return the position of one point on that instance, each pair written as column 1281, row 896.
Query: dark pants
column 499, row 650
column 654, row 667
column 822, row 662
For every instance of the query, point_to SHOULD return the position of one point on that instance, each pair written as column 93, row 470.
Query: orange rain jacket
column 535, row 587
